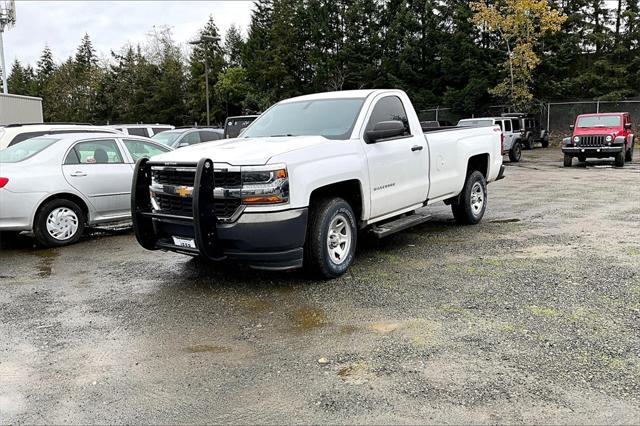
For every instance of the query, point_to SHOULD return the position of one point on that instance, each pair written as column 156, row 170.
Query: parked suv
column 144, row 130
column 233, row 126
column 531, row 128
column 16, row 133
column 512, row 135
column 600, row 136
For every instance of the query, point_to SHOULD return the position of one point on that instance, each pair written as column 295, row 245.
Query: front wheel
column 568, row 160
column 58, row 223
column 472, row 202
column 515, row 153
column 619, row 162
column 331, row 239
column 545, row 142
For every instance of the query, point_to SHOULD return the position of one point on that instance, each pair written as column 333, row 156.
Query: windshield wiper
column 279, row 136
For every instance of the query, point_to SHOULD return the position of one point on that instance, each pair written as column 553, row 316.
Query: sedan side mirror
column 627, row 126
column 182, row 144
column 385, row 130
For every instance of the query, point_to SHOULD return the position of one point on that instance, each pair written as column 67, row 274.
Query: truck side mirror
column 627, row 126
column 571, row 127
column 384, row 130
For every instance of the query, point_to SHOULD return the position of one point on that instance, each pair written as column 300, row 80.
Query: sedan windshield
column 599, row 121
column 331, row 118
column 25, row 149
column 167, row 137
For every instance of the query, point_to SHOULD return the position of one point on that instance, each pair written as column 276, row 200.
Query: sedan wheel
column 59, row 222
column 62, row 223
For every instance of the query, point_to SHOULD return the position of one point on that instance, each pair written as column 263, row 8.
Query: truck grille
column 591, row 141
column 171, row 204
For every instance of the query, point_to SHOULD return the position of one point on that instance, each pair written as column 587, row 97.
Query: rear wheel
column 472, row 202
column 545, row 142
column 619, row 162
column 629, row 156
column 515, row 153
column 58, row 223
column 529, row 143
column 332, row 237
column 568, row 160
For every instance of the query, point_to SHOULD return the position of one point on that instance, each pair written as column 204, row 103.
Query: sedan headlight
column 265, row 185
column 576, row 139
column 609, row 138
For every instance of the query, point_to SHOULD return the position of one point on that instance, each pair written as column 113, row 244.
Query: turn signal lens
column 269, row 199
column 3, row 182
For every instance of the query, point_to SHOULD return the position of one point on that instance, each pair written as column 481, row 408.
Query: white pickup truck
column 306, row 176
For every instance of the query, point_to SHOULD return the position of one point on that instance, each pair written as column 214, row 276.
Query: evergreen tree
column 233, row 45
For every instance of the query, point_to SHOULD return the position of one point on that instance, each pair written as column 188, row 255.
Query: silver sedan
column 54, row 185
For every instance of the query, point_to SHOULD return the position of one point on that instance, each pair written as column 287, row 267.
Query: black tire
column 629, row 155
column 529, row 143
column 465, row 209
column 318, row 258
column 619, row 161
column 72, row 217
column 515, row 153
column 545, row 142
column 568, row 160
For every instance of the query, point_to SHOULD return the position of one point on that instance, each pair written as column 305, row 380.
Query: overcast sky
column 110, row 24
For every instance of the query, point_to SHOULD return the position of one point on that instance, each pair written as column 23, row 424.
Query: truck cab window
column 387, row 109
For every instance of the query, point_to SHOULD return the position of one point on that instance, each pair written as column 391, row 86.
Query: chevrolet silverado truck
column 600, row 136
column 306, row 177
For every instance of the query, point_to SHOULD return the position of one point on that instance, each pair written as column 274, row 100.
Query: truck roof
column 343, row 94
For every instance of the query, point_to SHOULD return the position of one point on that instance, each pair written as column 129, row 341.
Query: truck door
column 398, row 166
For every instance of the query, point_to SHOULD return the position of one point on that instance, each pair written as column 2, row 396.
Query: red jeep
column 600, row 136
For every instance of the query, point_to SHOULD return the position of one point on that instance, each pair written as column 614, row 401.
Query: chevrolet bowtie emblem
column 183, row 191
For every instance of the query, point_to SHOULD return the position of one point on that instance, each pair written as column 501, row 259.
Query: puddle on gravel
column 505, row 221
column 45, row 266
column 196, row 349
column 309, row 318
column 256, row 305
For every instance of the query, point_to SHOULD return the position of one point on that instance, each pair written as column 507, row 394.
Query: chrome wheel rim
column 339, row 239
column 477, row 198
column 62, row 223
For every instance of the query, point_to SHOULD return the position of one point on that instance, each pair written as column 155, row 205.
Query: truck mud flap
column 204, row 218
column 141, row 204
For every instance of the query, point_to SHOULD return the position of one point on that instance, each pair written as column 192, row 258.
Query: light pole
column 203, row 40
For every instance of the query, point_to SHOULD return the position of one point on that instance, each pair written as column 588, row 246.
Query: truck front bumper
column 265, row 240
column 593, row 151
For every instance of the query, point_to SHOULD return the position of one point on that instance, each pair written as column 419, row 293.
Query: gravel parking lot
column 533, row 316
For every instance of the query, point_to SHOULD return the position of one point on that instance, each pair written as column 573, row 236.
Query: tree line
column 442, row 52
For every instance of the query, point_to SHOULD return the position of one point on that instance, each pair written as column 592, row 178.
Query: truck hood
column 241, row 151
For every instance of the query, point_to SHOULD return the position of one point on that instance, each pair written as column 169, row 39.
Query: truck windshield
column 599, row 121
column 331, row 118
column 25, row 149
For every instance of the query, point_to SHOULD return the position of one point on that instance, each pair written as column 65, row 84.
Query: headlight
column 609, row 138
column 265, row 185
column 576, row 139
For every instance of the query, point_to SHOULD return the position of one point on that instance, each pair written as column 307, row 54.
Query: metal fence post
column 548, row 116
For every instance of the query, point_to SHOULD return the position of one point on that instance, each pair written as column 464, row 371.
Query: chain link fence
column 556, row 117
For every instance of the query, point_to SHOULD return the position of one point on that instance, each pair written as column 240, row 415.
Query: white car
column 144, row 130
column 16, row 133
column 54, row 185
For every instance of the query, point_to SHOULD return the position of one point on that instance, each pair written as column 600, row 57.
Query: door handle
column 417, row 148
column 78, row 174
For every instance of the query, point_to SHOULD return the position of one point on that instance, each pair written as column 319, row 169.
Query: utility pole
column 204, row 39
column 7, row 19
